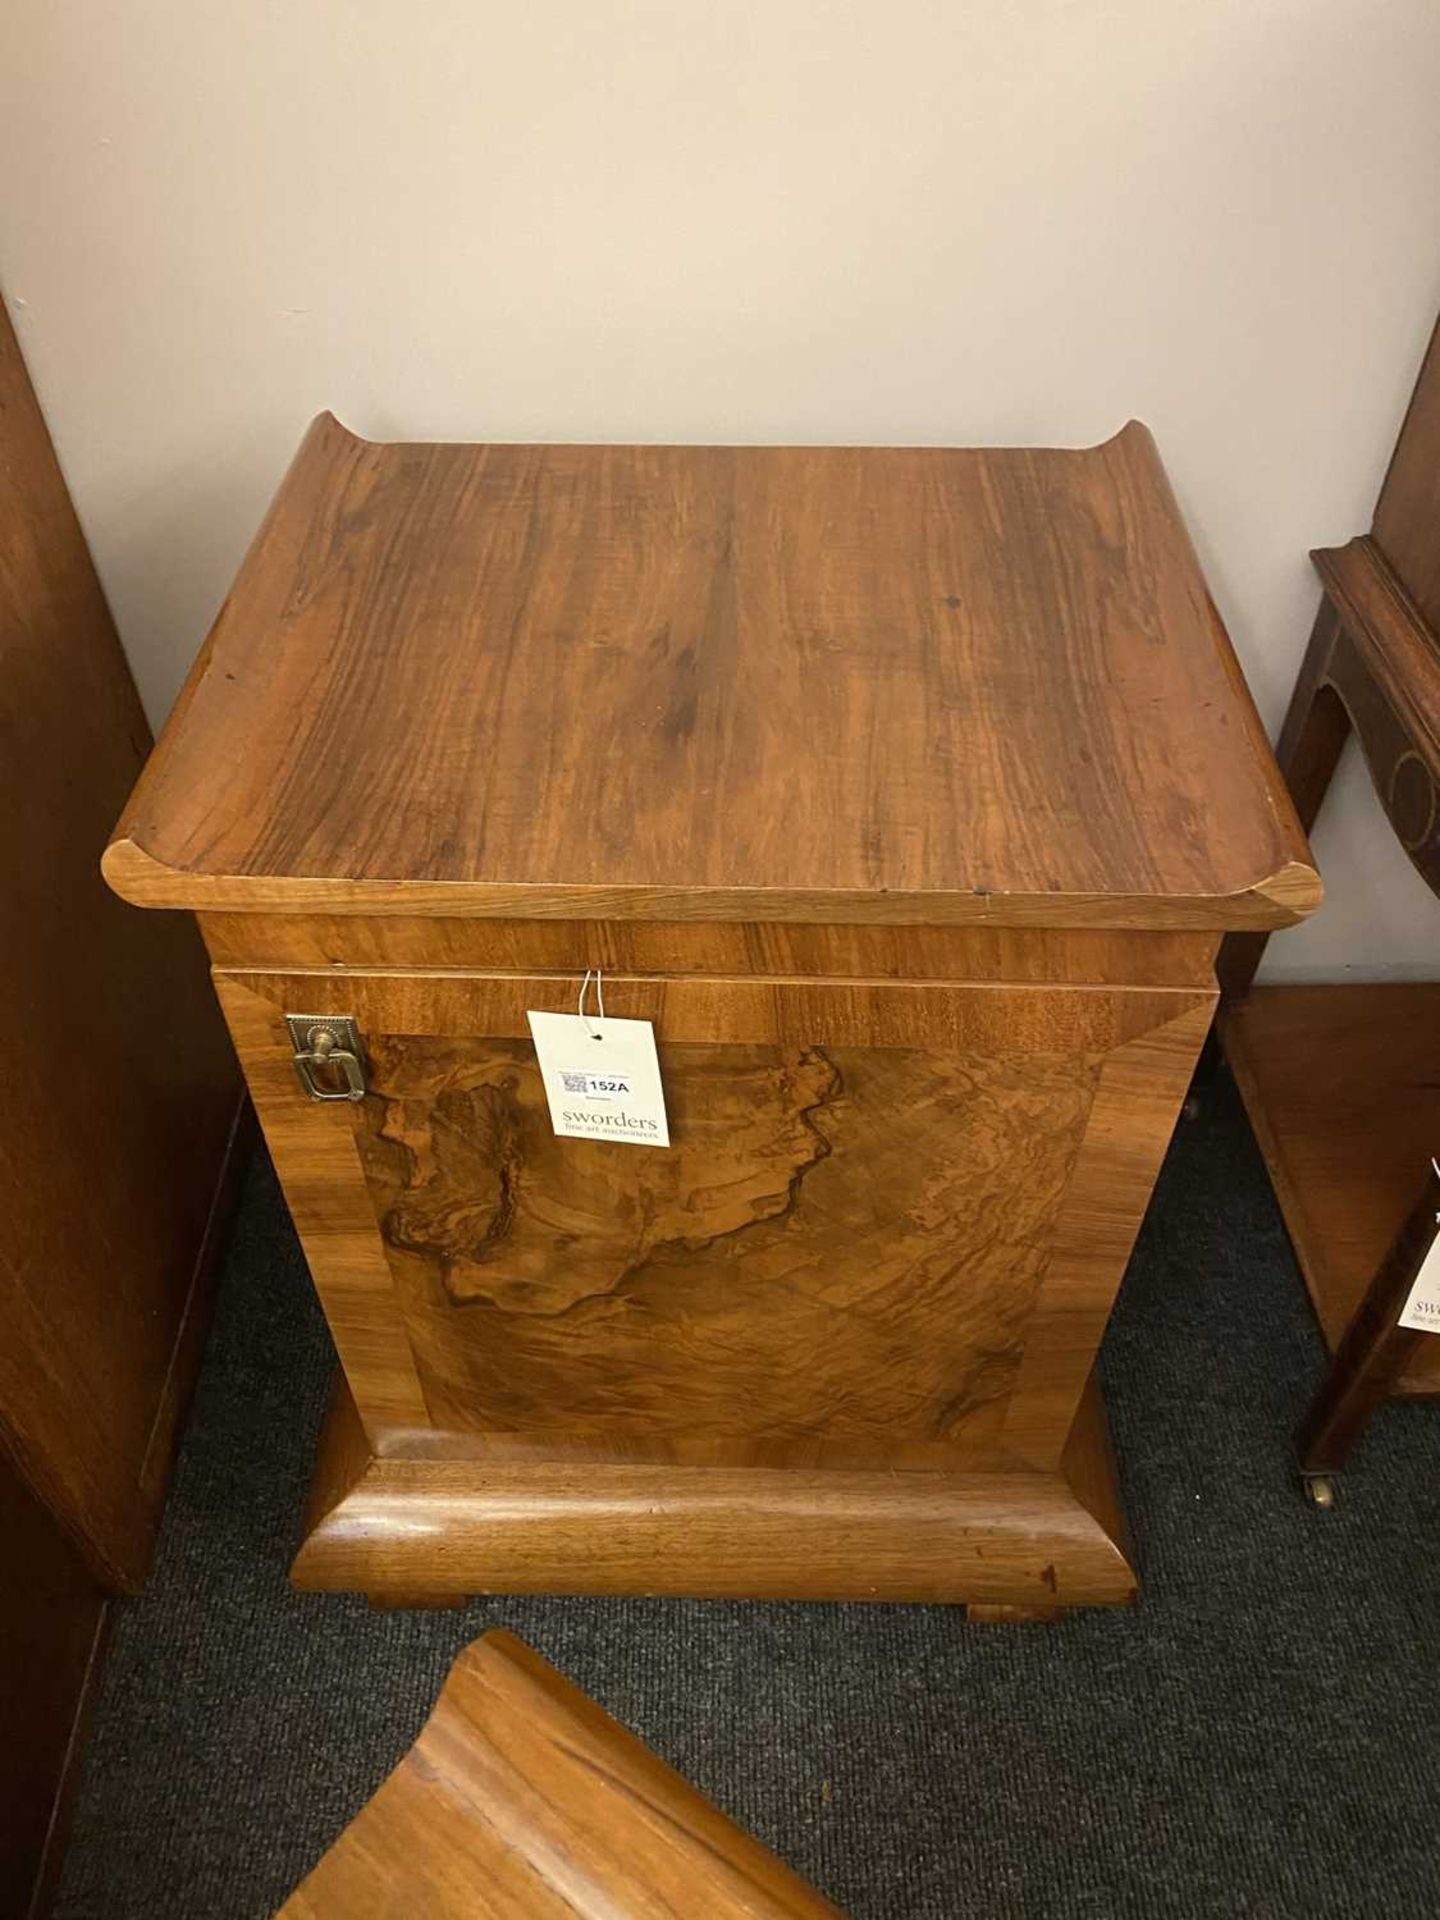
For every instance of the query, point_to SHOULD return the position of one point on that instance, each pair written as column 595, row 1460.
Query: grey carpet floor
column 1260, row 1736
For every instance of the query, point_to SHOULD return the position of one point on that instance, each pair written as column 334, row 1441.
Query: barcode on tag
column 600, row 1086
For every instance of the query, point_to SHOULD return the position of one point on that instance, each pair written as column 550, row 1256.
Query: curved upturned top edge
column 1275, row 900
column 140, row 867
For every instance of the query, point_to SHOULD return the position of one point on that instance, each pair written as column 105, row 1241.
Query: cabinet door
column 891, row 1222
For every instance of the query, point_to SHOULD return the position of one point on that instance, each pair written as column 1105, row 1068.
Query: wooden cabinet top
column 810, row 683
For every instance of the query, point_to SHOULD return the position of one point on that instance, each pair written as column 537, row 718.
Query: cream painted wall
column 807, row 220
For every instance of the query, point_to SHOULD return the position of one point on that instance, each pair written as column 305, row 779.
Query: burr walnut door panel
column 891, row 1222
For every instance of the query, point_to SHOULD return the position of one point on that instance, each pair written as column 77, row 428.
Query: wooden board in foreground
column 521, row 1797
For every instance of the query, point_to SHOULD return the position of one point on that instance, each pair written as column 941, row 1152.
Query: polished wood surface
column 886, row 1211
column 768, row 949
column 907, row 793
column 1375, row 1351
column 522, row 1800
column 984, row 1134
column 120, row 1087
column 989, row 685
column 943, row 1340
column 556, row 1520
column 1342, row 1086
column 938, row 1229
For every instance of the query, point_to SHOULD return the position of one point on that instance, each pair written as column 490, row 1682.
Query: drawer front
column 892, row 1218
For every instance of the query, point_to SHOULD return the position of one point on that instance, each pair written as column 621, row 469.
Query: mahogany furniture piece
column 1342, row 1083
column 121, row 1093
column 521, row 1799
column 908, row 793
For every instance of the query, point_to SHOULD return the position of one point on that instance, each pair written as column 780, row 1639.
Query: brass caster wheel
column 1319, row 1489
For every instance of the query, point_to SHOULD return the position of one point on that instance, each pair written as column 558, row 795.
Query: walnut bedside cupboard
column 908, row 792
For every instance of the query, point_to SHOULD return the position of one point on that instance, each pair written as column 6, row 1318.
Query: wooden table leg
column 1372, row 1353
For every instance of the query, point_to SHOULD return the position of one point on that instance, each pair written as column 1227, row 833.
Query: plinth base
column 1011, row 1542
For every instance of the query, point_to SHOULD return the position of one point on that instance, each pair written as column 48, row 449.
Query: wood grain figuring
column 120, row 1091
column 1342, row 1087
column 1003, row 955
column 990, row 687
column 883, row 1209
column 882, row 1212
column 522, row 1800
column 839, row 1275
column 941, row 1016
column 994, row 1535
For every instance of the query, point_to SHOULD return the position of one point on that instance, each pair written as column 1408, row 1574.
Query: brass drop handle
column 329, row 1043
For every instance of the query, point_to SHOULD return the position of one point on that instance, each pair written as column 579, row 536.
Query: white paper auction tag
column 602, row 1078
column 1422, row 1309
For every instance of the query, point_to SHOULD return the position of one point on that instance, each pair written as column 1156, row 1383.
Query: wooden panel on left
column 52, row 1625
column 121, row 1092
